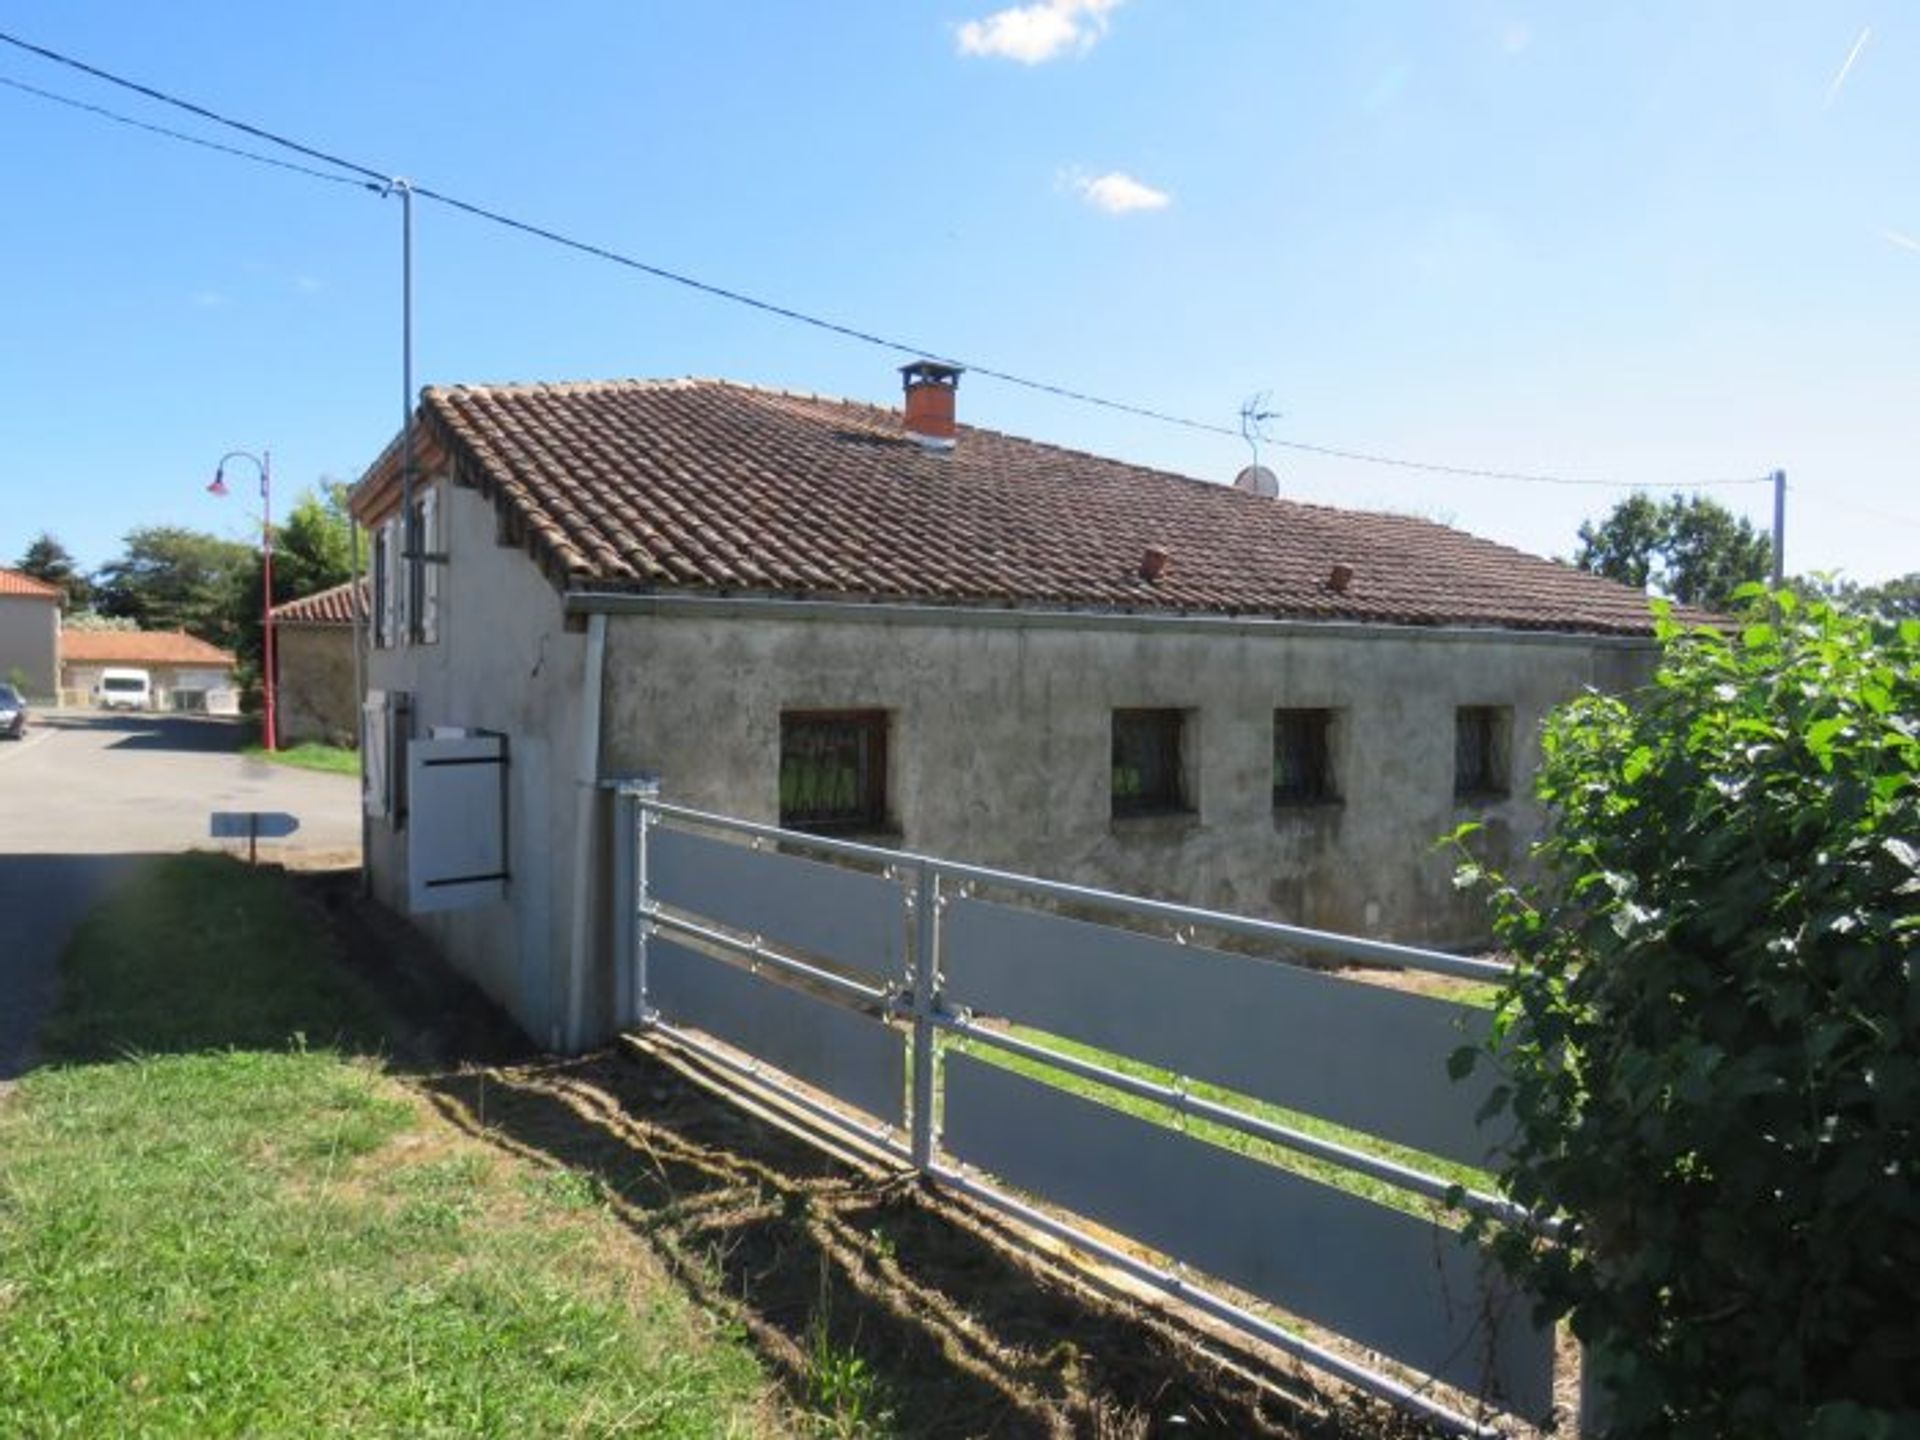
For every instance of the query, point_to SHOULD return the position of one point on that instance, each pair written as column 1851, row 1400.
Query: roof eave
column 696, row 604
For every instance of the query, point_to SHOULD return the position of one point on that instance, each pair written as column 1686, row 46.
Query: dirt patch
column 881, row 1306
column 959, row 1328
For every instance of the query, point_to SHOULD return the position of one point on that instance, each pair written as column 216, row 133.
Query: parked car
column 124, row 689
column 13, row 713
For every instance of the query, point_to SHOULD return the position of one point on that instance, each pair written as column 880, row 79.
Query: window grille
column 1303, row 757
column 1148, row 763
column 833, row 770
column 1480, row 750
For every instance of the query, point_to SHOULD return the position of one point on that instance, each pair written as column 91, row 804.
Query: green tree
column 171, row 578
column 312, row 551
column 1893, row 600
column 1687, row 547
column 1710, row 1044
column 47, row 559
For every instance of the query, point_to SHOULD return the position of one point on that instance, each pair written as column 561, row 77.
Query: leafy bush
column 1711, row 1044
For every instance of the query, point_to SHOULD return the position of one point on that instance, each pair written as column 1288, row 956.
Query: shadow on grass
column 947, row 1324
column 194, row 952
column 881, row 1308
column 42, row 899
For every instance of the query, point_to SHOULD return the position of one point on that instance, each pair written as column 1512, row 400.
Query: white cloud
column 1900, row 238
column 208, row 299
column 1034, row 34
column 306, row 284
column 1119, row 194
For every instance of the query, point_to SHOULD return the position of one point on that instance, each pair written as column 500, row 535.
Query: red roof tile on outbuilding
column 323, row 607
column 13, row 582
column 140, row 647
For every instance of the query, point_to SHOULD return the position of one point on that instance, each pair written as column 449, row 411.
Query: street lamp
column 263, row 462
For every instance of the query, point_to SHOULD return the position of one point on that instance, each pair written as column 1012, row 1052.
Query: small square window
column 1482, row 745
column 1148, row 762
column 833, row 769
column 1303, row 757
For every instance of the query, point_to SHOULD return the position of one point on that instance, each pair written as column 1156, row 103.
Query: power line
column 180, row 135
column 192, row 109
column 381, row 182
column 1527, row 476
column 1870, row 510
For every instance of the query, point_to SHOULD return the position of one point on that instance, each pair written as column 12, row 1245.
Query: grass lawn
column 221, row 1214
column 334, row 759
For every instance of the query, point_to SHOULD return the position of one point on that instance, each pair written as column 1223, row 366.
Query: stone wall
column 315, row 699
column 999, row 746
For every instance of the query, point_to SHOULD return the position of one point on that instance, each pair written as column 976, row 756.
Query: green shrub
column 1711, row 1044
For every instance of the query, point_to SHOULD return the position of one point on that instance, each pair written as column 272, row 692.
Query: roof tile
column 323, row 607
column 140, row 647
column 704, row 485
column 15, row 583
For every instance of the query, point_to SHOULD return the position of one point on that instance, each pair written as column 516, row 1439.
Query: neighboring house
column 185, row 669
column 29, row 633
column 798, row 609
column 313, row 647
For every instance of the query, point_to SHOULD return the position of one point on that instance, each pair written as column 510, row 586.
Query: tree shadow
column 153, row 730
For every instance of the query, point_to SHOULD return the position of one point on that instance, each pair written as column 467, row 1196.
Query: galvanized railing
column 883, row 982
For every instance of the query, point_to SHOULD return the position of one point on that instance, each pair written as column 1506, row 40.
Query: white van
column 124, row 690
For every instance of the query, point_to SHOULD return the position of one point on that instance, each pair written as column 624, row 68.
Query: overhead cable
column 382, row 182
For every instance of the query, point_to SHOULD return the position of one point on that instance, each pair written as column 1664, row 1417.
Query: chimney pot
column 1153, row 563
column 930, row 388
column 1340, row 577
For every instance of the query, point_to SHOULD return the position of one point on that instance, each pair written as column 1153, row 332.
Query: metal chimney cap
column 932, row 372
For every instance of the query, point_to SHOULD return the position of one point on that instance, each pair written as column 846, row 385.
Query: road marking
column 36, row 735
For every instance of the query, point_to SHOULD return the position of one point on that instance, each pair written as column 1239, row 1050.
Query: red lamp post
column 263, row 462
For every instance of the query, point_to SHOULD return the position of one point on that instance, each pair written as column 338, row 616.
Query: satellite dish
column 1257, row 480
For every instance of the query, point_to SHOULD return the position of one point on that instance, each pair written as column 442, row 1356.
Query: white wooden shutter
column 430, row 569
column 456, row 822
column 393, row 601
column 375, row 755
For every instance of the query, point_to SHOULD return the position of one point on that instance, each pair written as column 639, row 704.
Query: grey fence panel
column 849, row 1056
column 855, row 919
column 1391, row 1281
column 1359, row 1055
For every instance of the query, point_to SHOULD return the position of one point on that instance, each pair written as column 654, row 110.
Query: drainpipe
column 586, row 801
column 360, row 698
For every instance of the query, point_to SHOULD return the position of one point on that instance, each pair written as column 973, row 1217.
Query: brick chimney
column 930, row 390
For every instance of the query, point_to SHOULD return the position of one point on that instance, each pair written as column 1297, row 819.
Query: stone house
column 29, row 633
column 313, row 640
column 187, row 672
column 840, row 617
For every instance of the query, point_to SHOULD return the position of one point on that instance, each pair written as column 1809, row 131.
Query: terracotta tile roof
column 12, row 582
column 139, row 647
column 710, row 486
column 323, row 607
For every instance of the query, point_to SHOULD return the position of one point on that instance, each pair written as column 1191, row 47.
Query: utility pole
column 1779, row 528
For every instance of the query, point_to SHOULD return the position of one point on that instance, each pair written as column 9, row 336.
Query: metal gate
column 1068, row 1055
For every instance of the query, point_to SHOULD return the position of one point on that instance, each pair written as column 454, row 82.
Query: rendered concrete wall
column 78, row 681
column 316, row 698
column 503, row 663
column 30, row 642
column 999, row 750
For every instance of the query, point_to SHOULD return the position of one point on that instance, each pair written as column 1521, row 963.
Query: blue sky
column 1658, row 243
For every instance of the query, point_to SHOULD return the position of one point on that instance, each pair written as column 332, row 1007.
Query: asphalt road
column 85, row 794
